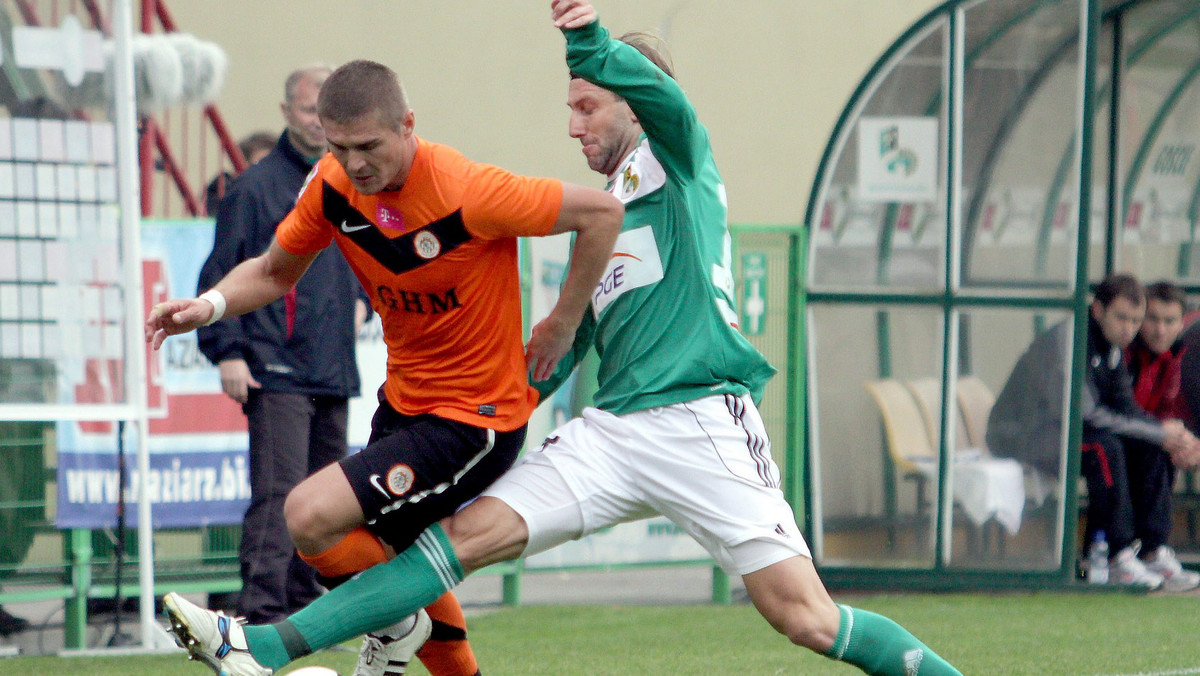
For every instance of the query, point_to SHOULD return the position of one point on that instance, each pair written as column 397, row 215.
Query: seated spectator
column 254, row 147
column 1123, row 460
column 1189, row 370
column 1155, row 358
column 1156, row 355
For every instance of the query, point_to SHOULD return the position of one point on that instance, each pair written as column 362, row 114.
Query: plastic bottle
column 1097, row 569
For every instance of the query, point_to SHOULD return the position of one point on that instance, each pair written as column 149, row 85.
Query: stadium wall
column 769, row 77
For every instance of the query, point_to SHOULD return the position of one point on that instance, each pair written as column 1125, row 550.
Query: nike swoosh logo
column 620, row 254
column 353, row 228
column 374, row 479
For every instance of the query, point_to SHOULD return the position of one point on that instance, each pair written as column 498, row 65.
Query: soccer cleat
column 388, row 652
column 1175, row 577
column 1127, row 569
column 210, row 637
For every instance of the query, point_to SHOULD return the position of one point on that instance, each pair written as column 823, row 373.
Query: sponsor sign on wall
column 898, row 159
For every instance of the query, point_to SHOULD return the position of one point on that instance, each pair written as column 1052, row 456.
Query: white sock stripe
column 423, row 547
column 444, row 576
column 848, row 618
column 432, row 549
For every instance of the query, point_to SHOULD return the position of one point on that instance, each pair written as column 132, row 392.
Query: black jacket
column 302, row 343
column 1027, row 421
column 1189, row 373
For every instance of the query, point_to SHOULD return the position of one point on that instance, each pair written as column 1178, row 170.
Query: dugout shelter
column 996, row 161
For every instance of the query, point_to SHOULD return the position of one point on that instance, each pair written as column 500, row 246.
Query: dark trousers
column 291, row 436
column 1129, row 490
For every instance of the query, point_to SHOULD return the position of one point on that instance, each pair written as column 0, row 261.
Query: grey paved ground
column 642, row 586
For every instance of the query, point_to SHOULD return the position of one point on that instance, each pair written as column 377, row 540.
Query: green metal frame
column 1120, row 63
column 1152, row 131
column 951, row 304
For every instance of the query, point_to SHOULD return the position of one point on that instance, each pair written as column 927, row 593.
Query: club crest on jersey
column 427, row 245
column 629, row 182
column 400, row 479
column 389, row 218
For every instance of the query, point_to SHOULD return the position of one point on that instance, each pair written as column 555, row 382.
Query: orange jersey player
column 432, row 237
column 438, row 257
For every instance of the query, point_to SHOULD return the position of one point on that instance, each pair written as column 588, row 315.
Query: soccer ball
column 313, row 671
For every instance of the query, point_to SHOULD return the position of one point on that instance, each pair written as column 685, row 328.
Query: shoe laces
column 371, row 649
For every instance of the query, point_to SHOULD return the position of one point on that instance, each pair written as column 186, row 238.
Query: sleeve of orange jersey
column 304, row 230
column 498, row 203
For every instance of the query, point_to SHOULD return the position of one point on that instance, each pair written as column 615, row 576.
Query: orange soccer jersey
column 439, row 260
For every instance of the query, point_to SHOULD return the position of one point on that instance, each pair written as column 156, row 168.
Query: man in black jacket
column 1126, row 452
column 290, row 364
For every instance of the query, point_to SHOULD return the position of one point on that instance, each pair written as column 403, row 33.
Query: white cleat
column 1176, row 578
column 210, row 637
column 388, row 651
column 1127, row 569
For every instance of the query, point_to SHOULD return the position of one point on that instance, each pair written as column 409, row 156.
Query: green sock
column 379, row 596
column 879, row 646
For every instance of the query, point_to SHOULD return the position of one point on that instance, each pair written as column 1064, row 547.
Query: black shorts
column 417, row 470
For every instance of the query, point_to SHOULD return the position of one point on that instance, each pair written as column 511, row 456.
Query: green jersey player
column 675, row 430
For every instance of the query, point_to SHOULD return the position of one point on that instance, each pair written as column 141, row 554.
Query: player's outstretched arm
column 249, row 286
column 595, row 217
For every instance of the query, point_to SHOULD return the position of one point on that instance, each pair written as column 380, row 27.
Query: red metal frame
column 97, row 17
column 28, row 13
column 151, row 136
column 151, row 130
column 228, row 144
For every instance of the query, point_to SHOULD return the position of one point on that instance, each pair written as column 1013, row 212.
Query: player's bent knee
column 488, row 531
column 306, row 523
column 299, row 517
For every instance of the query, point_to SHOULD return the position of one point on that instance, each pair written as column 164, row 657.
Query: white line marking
column 1172, row 672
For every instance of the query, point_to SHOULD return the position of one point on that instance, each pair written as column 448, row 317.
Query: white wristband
column 218, row 302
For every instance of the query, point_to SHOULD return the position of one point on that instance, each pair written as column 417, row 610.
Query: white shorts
column 706, row 465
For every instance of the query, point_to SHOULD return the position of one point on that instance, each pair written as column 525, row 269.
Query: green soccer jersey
column 662, row 318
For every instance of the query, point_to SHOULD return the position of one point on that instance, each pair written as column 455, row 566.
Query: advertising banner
column 197, row 435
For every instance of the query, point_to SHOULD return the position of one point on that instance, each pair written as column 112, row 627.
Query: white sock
column 398, row 629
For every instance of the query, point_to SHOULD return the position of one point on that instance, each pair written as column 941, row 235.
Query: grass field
column 1035, row 634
